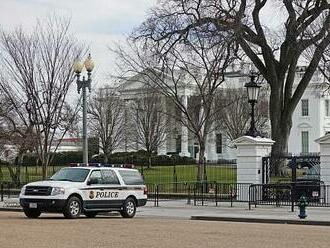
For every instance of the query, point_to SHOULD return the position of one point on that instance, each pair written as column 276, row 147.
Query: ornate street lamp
column 253, row 93
column 83, row 84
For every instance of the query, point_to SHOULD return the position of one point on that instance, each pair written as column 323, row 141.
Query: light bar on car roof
column 128, row 166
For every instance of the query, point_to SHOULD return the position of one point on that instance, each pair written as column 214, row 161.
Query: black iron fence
column 205, row 193
column 288, row 194
column 290, row 168
column 24, row 173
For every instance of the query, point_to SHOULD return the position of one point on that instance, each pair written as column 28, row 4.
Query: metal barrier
column 199, row 193
column 9, row 190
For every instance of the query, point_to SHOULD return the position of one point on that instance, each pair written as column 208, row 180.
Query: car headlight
column 23, row 190
column 58, row 191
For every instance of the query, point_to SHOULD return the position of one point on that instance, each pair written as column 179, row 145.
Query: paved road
column 54, row 231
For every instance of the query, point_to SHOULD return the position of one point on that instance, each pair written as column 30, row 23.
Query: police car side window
column 96, row 175
column 109, row 177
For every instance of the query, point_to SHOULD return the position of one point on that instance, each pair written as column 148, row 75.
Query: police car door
column 92, row 191
column 104, row 191
column 113, row 191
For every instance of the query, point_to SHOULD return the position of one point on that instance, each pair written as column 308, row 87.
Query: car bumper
column 44, row 205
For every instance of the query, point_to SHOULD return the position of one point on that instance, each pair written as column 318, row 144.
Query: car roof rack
column 127, row 166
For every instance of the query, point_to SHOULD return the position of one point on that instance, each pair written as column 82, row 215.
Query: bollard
column 302, row 203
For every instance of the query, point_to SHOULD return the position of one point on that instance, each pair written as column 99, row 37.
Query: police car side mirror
column 92, row 181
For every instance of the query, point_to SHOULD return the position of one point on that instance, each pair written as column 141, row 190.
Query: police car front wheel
column 73, row 208
column 129, row 208
column 31, row 213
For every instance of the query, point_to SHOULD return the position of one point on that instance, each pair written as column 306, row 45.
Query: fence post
column 189, row 195
column 1, row 191
column 8, row 189
column 293, row 192
column 294, row 170
column 175, row 179
column 250, row 197
column 195, row 195
column 157, row 195
column 216, row 194
column 231, row 195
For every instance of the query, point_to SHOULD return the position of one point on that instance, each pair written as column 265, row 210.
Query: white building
column 311, row 120
column 67, row 145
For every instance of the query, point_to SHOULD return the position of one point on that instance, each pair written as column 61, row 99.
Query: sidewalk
column 238, row 213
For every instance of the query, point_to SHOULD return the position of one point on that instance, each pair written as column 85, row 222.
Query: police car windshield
column 70, row 174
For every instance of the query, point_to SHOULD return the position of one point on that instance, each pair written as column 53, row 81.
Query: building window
column 304, row 142
column 304, row 107
column 327, row 107
column 218, row 143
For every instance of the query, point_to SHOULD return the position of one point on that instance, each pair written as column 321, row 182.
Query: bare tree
column 106, row 115
column 194, row 67
column 233, row 112
column 36, row 78
column 16, row 133
column 149, row 121
column 274, row 54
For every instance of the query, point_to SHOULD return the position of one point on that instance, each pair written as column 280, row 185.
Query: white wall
column 317, row 124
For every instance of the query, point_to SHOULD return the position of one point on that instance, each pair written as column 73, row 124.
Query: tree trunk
column 201, row 161
column 15, row 172
column 149, row 161
column 106, row 158
column 44, row 171
column 281, row 123
column 15, row 169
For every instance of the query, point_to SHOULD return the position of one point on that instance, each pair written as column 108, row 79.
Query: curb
column 3, row 209
column 261, row 220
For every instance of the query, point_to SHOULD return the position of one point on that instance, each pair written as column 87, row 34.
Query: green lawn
column 154, row 175
column 28, row 174
column 187, row 173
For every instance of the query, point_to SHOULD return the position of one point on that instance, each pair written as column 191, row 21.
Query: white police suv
column 88, row 190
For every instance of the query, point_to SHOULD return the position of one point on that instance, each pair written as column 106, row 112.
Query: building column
column 184, row 132
column 162, row 149
column 211, row 153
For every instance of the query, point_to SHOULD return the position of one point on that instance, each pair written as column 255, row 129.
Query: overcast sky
column 97, row 23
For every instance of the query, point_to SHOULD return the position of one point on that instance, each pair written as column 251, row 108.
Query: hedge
column 142, row 158
column 137, row 158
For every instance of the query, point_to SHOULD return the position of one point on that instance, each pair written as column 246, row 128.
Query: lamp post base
column 253, row 132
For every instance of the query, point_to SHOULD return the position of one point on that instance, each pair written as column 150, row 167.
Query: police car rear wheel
column 31, row 213
column 129, row 208
column 73, row 208
column 90, row 214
